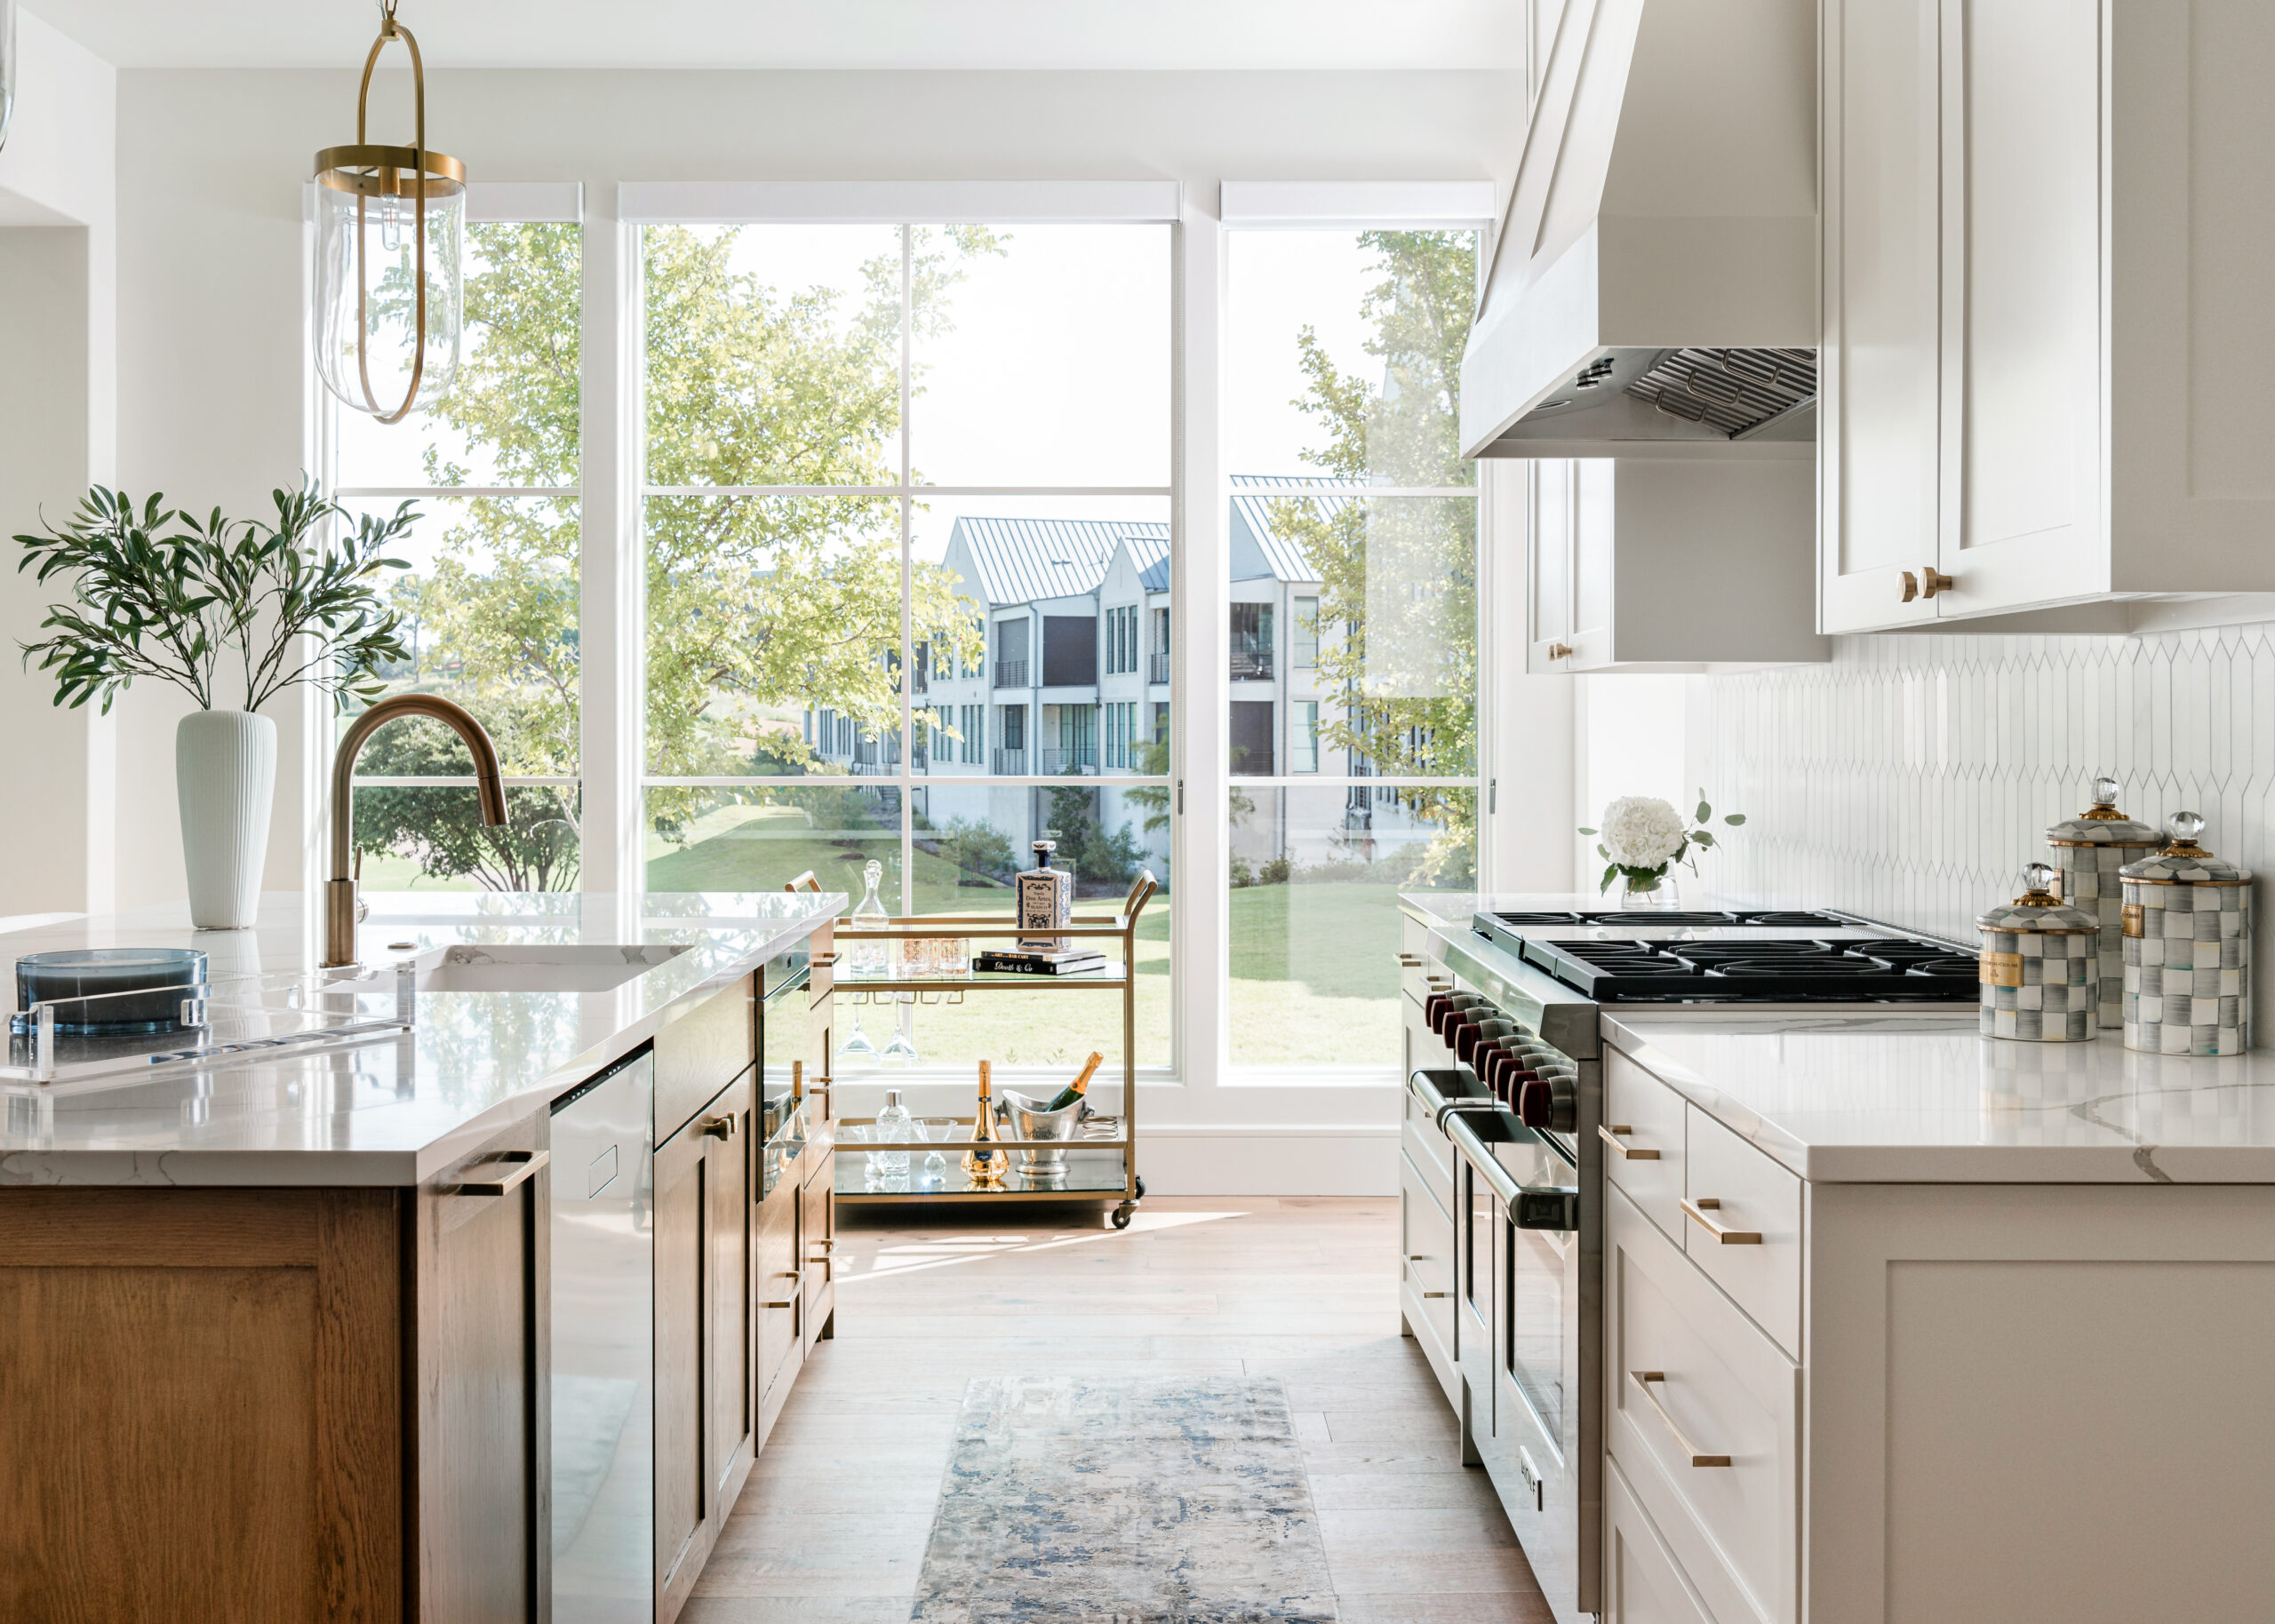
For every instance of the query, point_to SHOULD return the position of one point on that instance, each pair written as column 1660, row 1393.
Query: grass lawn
column 1314, row 977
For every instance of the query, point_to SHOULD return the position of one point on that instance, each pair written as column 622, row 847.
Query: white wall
column 58, row 434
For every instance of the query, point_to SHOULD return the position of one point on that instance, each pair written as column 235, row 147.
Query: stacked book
column 1055, row 961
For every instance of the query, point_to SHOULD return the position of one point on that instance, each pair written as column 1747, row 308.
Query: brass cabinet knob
column 1559, row 651
column 1933, row 580
column 1911, row 586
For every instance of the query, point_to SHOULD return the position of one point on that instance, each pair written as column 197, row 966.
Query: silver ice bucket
column 1027, row 1119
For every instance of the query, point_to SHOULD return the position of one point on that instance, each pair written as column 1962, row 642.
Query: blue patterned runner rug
column 1125, row 1503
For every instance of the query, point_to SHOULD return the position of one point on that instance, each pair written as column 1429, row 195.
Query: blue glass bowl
column 151, row 981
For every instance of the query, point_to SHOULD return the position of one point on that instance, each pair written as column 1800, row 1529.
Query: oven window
column 1536, row 1321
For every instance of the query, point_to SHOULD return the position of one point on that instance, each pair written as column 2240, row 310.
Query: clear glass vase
column 1649, row 891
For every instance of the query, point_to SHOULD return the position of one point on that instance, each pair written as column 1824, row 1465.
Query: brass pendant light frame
column 367, row 171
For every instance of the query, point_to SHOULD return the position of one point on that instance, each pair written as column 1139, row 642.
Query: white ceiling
column 961, row 34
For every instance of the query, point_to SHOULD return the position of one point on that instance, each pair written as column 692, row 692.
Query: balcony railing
column 1251, row 661
column 1157, row 668
column 1010, row 673
column 1010, row 763
column 1057, row 763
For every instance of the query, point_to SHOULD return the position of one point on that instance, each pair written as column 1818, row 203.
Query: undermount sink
column 538, row 967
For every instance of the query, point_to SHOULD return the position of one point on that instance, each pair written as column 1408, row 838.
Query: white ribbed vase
column 225, row 773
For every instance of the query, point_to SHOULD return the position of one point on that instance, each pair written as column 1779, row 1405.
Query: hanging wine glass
column 856, row 1045
column 898, row 1046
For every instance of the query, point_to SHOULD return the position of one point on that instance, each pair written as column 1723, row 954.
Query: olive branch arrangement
column 160, row 594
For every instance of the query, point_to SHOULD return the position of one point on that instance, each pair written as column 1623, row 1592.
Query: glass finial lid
column 2102, row 823
column 2040, row 909
column 2183, row 860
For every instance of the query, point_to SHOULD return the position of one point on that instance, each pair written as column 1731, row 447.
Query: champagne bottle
column 1076, row 1089
column 983, row 1161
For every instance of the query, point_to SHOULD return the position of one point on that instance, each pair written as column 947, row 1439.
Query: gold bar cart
column 1102, row 1169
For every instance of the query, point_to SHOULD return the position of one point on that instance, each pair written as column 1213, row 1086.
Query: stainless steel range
column 1501, row 1171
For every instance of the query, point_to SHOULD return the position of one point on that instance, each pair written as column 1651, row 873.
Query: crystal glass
column 856, row 1045
column 899, row 1045
column 368, row 254
column 856, row 1134
column 870, row 959
column 893, row 1126
column 936, row 1131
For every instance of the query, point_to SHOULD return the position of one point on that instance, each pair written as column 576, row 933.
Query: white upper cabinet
column 2046, row 228
column 1639, row 563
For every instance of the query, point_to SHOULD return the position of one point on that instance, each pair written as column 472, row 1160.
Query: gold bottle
column 983, row 1162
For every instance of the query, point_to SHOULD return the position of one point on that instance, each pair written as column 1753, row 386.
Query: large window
column 1353, row 525
column 937, row 450
column 491, row 596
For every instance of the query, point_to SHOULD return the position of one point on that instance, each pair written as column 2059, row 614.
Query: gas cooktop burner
column 1652, row 918
column 1729, row 965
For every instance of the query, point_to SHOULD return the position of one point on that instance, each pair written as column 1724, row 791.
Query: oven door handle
column 1429, row 1086
column 1532, row 1207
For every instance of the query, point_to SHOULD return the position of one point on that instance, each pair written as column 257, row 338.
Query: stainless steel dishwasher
column 604, row 1348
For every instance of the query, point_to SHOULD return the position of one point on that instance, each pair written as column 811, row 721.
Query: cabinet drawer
column 1703, row 1414
column 1641, row 1582
column 1429, row 1148
column 702, row 1052
column 1425, row 1272
column 1740, row 1192
column 1647, row 1160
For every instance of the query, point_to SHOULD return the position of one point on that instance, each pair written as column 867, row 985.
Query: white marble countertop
column 397, row 1110
column 1922, row 1097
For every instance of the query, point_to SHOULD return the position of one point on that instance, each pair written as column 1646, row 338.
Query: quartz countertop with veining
column 1862, row 1096
column 395, row 1110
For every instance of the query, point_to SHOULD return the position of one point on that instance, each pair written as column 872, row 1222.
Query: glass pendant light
column 7, row 65
column 390, row 233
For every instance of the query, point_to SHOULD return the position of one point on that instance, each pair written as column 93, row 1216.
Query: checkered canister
column 2089, row 851
column 2187, row 925
column 2040, row 966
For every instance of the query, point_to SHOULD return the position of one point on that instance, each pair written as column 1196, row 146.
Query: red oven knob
column 1451, row 1010
column 1541, row 1103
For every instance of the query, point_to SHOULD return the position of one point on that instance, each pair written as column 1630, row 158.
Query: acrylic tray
column 224, row 1017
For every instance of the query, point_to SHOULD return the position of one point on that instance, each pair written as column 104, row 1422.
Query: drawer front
column 703, row 1051
column 1718, row 1391
column 1425, row 1272
column 1641, row 1582
column 1431, row 1152
column 1752, row 1194
column 1651, row 1170
column 823, row 947
column 1418, row 977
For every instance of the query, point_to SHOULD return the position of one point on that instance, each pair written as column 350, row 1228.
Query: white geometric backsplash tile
column 1912, row 777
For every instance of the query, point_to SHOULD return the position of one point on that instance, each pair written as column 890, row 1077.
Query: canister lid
column 2037, row 911
column 2183, row 862
column 2102, row 824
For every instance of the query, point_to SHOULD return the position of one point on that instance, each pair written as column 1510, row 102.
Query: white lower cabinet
column 1703, row 1414
column 1425, row 1274
column 1642, row 1583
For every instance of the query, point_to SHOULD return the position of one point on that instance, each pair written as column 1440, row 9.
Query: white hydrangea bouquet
column 1643, row 837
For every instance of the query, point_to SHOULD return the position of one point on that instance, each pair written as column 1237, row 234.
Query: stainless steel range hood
column 1654, row 285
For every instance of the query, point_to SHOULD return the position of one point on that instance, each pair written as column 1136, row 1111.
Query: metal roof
column 1020, row 561
column 1283, row 557
column 1149, row 555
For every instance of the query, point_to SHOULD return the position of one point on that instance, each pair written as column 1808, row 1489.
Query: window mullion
column 908, row 628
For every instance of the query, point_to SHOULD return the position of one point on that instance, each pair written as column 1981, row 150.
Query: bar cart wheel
column 1140, row 1181
column 1122, row 1213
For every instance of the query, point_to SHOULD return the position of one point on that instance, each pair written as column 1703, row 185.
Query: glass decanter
column 868, row 958
column 893, row 1126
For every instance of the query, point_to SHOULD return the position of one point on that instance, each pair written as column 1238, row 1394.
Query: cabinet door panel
column 1879, row 425
column 681, row 1500
column 779, row 1280
column 817, row 1256
column 727, row 1257
column 1548, row 525
column 1594, row 509
column 2021, row 156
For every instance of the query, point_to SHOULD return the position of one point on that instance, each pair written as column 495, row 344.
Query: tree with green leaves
column 758, row 608
column 1398, row 595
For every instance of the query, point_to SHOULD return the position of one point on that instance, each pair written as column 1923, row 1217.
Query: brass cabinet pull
column 524, row 1162
column 1627, row 1153
column 1409, row 961
column 1933, row 580
column 823, row 962
column 827, row 1246
column 1418, row 1257
column 1559, row 651
column 790, row 1304
column 719, row 1127
column 1437, row 1294
column 1643, row 1379
column 1911, row 586
column 1696, row 1211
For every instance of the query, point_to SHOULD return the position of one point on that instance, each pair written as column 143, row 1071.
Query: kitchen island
column 275, row 1329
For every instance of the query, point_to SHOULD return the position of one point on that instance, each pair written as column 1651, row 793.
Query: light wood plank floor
column 833, row 1525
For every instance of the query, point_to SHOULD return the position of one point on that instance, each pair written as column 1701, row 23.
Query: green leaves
column 163, row 594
